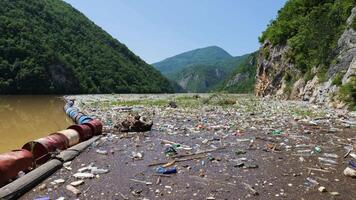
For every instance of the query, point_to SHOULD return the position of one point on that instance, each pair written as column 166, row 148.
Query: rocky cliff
column 278, row 76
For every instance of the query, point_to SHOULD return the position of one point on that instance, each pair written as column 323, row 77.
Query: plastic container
column 83, row 119
column 72, row 136
column 43, row 147
column 162, row 170
column 70, row 103
column 87, row 120
column 66, row 107
column 84, row 131
column 73, row 113
column 12, row 163
column 70, row 109
column 76, row 119
column 96, row 126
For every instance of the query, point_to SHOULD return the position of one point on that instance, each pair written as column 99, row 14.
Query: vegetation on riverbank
column 49, row 47
column 311, row 29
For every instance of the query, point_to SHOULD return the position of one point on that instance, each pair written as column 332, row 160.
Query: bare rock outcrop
column 274, row 68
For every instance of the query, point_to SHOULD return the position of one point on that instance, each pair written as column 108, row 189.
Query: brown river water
column 25, row 118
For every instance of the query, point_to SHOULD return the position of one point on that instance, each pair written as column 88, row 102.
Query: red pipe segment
column 12, row 163
column 39, row 151
column 96, row 126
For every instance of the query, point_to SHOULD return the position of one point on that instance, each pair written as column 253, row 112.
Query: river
column 25, row 118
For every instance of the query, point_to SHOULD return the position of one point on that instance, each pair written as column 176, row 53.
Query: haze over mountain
column 197, row 56
column 50, row 47
column 199, row 70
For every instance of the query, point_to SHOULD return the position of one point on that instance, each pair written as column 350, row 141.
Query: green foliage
column 289, row 81
column 353, row 25
column 205, row 55
column 322, row 74
column 49, row 47
column 199, row 78
column 203, row 76
column 308, row 76
column 266, row 53
column 311, row 28
column 245, row 72
column 347, row 93
column 338, row 79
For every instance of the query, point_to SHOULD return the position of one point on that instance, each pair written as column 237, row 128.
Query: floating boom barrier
column 37, row 153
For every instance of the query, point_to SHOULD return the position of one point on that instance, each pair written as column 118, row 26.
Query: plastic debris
column 353, row 155
column 327, row 160
column 137, row 155
column 317, row 149
column 42, row 198
column 59, row 181
column 322, row 189
column 77, row 183
column 312, row 181
column 162, row 170
column 83, row 175
column 334, row 193
column 170, row 151
column 352, row 164
column 73, row 190
column 103, row 152
column 350, row 172
column 250, row 166
column 277, row 132
column 66, row 165
column 307, row 155
column 95, row 171
column 331, row 155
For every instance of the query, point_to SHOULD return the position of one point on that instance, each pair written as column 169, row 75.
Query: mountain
column 309, row 53
column 49, row 47
column 242, row 78
column 197, row 56
column 199, row 70
column 204, row 77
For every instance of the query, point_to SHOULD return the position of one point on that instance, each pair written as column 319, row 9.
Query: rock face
column 273, row 66
column 237, row 79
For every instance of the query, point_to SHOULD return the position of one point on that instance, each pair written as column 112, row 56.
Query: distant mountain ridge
column 200, row 70
column 197, row 56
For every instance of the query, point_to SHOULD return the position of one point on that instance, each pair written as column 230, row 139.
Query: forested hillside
column 198, row 56
column 309, row 53
column 205, row 77
column 49, row 47
column 242, row 78
column 200, row 70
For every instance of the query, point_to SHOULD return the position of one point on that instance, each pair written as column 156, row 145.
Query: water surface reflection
column 24, row 118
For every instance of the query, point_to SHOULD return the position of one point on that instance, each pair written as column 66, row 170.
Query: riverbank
column 259, row 149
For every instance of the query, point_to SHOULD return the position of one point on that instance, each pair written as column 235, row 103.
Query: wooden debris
column 175, row 160
column 169, row 164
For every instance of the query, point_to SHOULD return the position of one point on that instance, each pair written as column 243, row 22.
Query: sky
column 158, row 29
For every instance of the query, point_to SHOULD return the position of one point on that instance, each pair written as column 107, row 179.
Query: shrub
column 338, row 79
